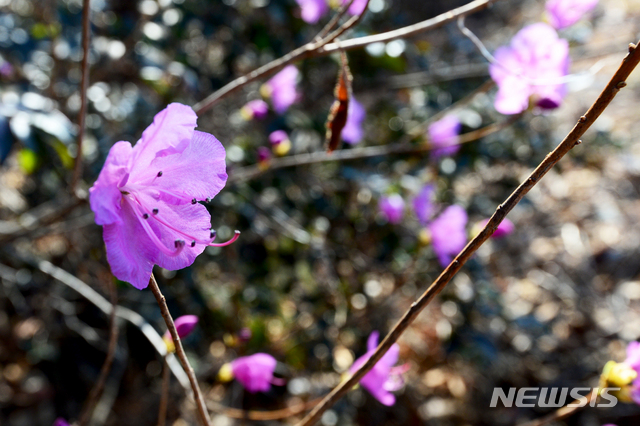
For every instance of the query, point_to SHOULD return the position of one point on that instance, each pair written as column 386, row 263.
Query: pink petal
column 104, row 195
column 197, row 172
column 170, row 133
column 353, row 132
column 255, row 372
column 185, row 325
column 372, row 341
column 312, row 10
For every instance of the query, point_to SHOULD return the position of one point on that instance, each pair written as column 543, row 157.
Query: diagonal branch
column 84, row 82
column 616, row 83
column 325, row 47
column 197, row 394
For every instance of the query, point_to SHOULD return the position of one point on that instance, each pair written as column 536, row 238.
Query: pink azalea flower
column 383, row 378
column 352, row 132
column 184, row 326
column 531, row 66
column 448, row 235
column 633, row 360
column 277, row 137
column 255, row 372
column 392, row 207
column 312, row 10
column 564, row 13
column 256, row 108
column 423, row 203
column 264, row 154
column 443, row 135
column 146, row 196
column 357, row 7
column 282, row 89
column 505, row 228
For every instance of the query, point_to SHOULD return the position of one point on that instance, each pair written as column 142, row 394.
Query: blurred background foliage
column 317, row 267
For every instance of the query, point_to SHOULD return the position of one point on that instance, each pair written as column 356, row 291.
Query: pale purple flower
column 357, row 7
column 423, row 203
column 255, row 372
column 564, row 13
column 184, row 326
column 278, row 137
column 532, row 66
column 448, row 234
column 383, row 378
column 60, row 422
column 146, row 196
column 633, row 360
column 352, row 132
column 256, row 108
column 392, row 207
column 312, row 10
column 505, row 228
column 281, row 88
column 443, row 135
column 264, row 154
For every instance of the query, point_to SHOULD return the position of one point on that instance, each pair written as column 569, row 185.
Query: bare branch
column 164, row 309
column 616, row 83
column 563, row 412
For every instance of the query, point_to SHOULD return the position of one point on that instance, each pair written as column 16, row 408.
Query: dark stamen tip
column 159, row 173
column 212, row 234
column 155, row 211
column 194, row 201
column 178, row 243
column 208, row 200
column 193, row 243
column 145, row 216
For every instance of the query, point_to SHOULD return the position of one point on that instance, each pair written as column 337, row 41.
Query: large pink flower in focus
column 282, row 90
column 564, row 13
column 530, row 67
column 146, row 196
column 448, row 234
column 383, row 378
column 255, row 372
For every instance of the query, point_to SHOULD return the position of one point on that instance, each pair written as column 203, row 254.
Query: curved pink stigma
column 236, row 235
column 142, row 218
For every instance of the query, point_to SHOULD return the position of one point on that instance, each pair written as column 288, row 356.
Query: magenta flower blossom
column 255, row 372
column 281, row 88
column 505, row 228
column 352, row 132
column 443, row 135
column 392, row 207
column 423, row 203
column 357, row 7
column 633, row 361
column 532, row 66
column 564, row 13
column 448, row 235
column 312, row 10
column 383, row 378
column 184, row 326
column 60, row 422
column 264, row 154
column 256, row 108
column 146, row 196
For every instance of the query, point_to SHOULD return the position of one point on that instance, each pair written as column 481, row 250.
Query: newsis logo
column 553, row 397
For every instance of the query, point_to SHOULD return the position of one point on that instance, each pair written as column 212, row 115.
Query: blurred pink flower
column 312, row 10
column 264, row 154
column 383, row 378
column 60, row 422
column 392, row 207
column 443, row 135
column 531, row 66
column 281, row 88
column 352, row 132
column 357, row 7
column 633, row 360
column 278, row 137
column 146, row 196
column 184, row 326
column 255, row 109
column 564, row 13
column 505, row 228
column 423, row 203
column 448, row 234
column 255, row 372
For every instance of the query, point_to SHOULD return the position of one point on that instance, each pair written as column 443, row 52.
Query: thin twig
column 251, row 172
column 164, row 309
column 164, row 394
column 96, row 391
column 334, row 20
column 616, row 83
column 325, row 47
column 563, row 412
column 84, row 82
column 280, row 414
